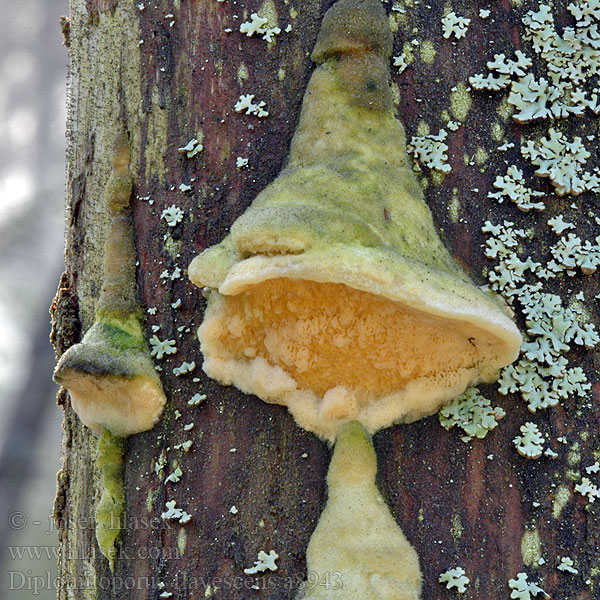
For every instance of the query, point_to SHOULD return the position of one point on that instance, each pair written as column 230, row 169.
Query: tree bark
column 173, row 72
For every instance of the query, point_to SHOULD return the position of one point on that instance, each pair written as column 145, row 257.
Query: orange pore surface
column 327, row 334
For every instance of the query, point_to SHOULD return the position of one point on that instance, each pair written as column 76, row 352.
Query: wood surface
column 457, row 507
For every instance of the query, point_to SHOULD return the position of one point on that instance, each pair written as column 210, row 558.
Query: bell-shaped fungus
column 110, row 376
column 333, row 294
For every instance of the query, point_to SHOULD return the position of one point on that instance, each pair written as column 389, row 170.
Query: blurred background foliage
column 33, row 69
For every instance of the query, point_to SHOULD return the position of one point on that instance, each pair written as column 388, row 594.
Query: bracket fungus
column 110, row 376
column 334, row 296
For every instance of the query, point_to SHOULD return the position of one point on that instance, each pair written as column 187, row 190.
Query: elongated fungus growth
column 111, row 508
column 333, row 294
column 357, row 537
column 110, row 375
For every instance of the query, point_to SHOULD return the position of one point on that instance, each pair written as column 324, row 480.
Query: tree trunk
column 174, row 72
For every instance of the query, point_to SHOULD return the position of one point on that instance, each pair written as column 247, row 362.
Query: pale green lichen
column 531, row 547
column 242, row 73
column 437, row 177
column 523, row 589
column 455, row 578
column 111, row 507
column 497, row 132
column 472, row 413
column 423, row 128
column 171, row 246
column 396, row 96
column 505, row 110
column 460, row 102
column 155, row 148
column 151, row 497
column 481, row 156
column 456, row 529
column 574, row 455
column 454, row 206
column 561, row 499
column 181, row 541
column 408, row 52
column 268, row 9
column 427, row 52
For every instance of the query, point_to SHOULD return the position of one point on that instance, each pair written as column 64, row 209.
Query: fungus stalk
column 110, row 376
column 111, row 507
column 357, row 538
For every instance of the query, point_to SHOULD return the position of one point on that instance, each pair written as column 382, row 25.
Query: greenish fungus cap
column 111, row 378
column 110, row 375
column 333, row 294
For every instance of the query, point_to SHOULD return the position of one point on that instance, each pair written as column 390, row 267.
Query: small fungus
column 455, row 578
column 452, row 24
column 265, row 562
column 356, row 519
column 588, row 489
column 315, row 289
column 110, row 375
column 566, row 565
column 530, row 443
column 172, row 215
column 246, row 103
column 523, row 589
